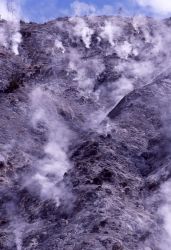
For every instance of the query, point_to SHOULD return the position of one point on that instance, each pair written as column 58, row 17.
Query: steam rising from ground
column 82, row 30
column 123, row 38
column 139, row 50
column 165, row 213
column 50, row 170
column 10, row 36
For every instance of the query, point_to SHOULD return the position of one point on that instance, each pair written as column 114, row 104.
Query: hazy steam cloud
column 80, row 8
column 161, row 7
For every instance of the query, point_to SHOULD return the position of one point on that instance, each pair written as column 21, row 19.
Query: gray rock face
column 85, row 135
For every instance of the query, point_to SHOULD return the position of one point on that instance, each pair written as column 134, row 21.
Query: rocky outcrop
column 84, row 135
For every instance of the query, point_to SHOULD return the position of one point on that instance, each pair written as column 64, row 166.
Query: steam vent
column 85, row 134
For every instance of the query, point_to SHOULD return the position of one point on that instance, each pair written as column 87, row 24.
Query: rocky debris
column 115, row 103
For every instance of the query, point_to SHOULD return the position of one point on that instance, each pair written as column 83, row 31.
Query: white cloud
column 158, row 6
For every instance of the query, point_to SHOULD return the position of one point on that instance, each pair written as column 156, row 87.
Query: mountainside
column 85, row 134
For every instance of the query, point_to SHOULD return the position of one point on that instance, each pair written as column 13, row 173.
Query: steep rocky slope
column 85, row 135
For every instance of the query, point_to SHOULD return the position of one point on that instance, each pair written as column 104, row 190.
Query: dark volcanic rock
column 84, row 136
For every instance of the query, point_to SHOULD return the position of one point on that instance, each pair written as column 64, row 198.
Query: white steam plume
column 110, row 32
column 59, row 45
column 10, row 35
column 18, row 226
column 82, row 30
column 50, row 170
column 86, row 71
column 165, row 213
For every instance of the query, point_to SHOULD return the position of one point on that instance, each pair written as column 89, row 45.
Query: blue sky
column 43, row 10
